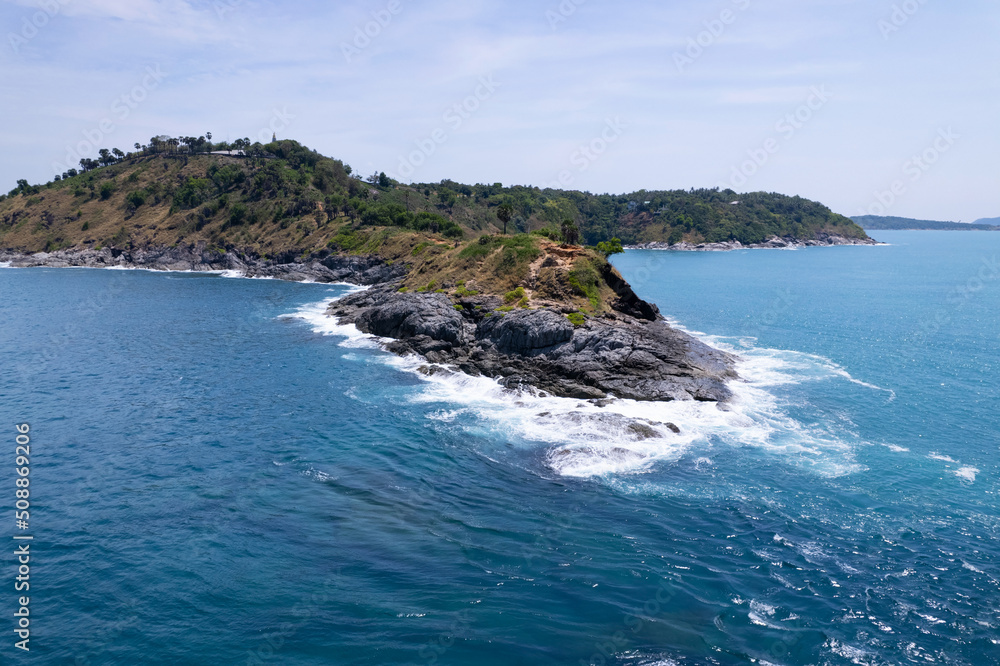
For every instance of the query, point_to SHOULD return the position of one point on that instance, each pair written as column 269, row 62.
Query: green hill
column 876, row 222
column 283, row 197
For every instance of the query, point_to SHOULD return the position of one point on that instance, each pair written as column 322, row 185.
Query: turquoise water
column 220, row 475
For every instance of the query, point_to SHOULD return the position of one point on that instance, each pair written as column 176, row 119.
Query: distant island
column 509, row 282
column 992, row 221
column 882, row 223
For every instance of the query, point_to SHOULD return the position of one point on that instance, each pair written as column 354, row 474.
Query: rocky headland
column 613, row 355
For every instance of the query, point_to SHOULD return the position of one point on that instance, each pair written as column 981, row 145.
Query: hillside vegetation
column 877, row 222
column 283, row 197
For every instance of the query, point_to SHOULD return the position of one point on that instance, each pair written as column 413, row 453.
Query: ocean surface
column 222, row 475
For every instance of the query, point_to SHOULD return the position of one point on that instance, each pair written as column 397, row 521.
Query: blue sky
column 887, row 107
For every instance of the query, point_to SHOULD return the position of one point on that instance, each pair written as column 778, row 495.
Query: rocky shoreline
column 773, row 243
column 323, row 267
column 616, row 355
column 629, row 353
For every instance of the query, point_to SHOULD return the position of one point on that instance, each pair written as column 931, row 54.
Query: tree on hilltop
column 504, row 212
column 570, row 232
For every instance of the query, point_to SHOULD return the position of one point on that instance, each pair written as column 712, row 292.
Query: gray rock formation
column 617, row 355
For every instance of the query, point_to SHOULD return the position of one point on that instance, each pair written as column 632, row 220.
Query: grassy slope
column 549, row 274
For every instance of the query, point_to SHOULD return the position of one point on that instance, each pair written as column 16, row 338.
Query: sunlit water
column 223, row 475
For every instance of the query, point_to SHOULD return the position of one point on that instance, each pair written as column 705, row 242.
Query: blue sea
column 222, row 475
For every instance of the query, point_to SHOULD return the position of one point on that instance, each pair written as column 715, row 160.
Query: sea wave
column 583, row 439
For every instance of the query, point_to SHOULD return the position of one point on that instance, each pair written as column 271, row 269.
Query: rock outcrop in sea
column 614, row 355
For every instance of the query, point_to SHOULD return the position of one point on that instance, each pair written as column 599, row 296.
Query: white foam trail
column 778, row 367
column 626, row 436
column 938, row 456
column 315, row 315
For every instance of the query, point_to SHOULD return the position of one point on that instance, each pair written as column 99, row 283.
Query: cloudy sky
column 886, row 106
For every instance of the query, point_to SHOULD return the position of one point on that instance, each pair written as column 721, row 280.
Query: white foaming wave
column 315, row 315
column 761, row 614
column 856, row 655
column 968, row 473
column 585, row 440
column 624, row 437
column 5, row 264
column 942, row 458
column 778, row 367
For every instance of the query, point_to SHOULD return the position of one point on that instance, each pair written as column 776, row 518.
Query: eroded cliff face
column 613, row 355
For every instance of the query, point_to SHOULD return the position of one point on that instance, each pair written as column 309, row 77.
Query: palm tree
column 504, row 212
column 570, row 232
column 138, row 147
column 119, row 154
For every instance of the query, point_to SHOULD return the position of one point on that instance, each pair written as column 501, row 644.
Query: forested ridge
column 282, row 196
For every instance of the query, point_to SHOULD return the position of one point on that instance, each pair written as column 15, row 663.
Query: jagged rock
column 628, row 357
